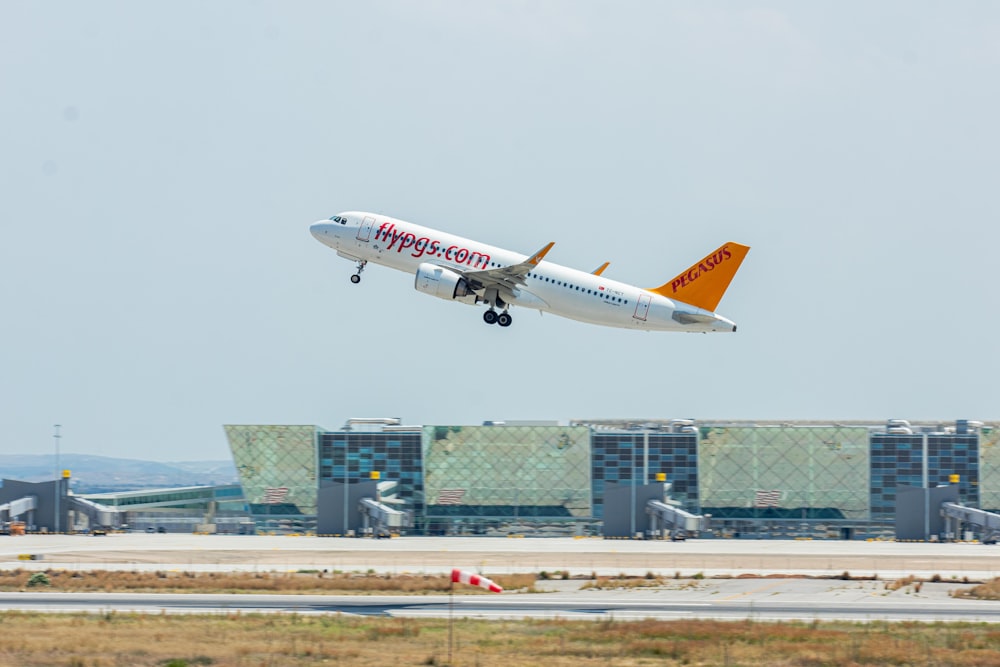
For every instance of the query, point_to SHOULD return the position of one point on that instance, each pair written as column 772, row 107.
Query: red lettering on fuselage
column 426, row 246
column 703, row 267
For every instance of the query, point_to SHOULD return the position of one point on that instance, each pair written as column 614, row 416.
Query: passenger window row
column 597, row 293
column 560, row 283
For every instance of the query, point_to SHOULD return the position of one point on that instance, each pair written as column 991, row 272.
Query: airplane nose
column 319, row 229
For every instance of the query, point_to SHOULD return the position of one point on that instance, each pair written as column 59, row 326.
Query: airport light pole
column 58, row 481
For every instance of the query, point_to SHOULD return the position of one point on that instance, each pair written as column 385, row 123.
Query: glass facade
column 397, row 455
column 955, row 454
column 508, row 473
column 227, row 498
column 899, row 459
column 493, row 479
column 989, row 471
column 278, row 471
column 812, row 472
column 624, row 457
column 185, row 509
column 896, row 459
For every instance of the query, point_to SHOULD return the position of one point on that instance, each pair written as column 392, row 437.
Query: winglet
column 703, row 284
column 536, row 259
column 599, row 270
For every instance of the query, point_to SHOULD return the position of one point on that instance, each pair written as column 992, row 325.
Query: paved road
column 765, row 600
column 501, row 555
column 687, row 597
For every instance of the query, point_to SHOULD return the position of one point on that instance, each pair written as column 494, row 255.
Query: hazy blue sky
column 160, row 164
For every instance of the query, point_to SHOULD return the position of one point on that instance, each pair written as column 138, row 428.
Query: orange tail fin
column 703, row 284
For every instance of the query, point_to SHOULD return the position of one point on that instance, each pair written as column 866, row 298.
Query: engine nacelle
column 443, row 283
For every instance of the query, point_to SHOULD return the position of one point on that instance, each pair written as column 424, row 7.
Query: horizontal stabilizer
column 692, row 318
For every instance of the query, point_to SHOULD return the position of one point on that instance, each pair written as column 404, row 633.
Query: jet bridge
column 10, row 511
column 956, row 516
column 673, row 521
column 360, row 508
column 642, row 511
column 97, row 515
column 379, row 519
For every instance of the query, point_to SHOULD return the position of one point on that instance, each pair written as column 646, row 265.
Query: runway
column 692, row 569
column 713, row 557
column 761, row 600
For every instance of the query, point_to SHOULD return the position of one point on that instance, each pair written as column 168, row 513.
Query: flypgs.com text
column 704, row 266
column 421, row 246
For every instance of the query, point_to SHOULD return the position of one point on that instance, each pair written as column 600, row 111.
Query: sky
column 160, row 165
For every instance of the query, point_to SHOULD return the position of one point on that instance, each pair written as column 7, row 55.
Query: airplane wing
column 506, row 278
column 600, row 270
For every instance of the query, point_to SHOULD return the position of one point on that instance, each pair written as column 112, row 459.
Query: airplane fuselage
column 547, row 287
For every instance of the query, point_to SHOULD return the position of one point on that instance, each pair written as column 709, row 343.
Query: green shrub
column 39, row 579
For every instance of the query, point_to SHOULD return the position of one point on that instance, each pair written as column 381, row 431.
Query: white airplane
column 457, row 269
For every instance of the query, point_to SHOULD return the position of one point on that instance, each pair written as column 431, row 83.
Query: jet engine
column 443, row 283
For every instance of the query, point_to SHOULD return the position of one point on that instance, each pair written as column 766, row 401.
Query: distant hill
column 98, row 474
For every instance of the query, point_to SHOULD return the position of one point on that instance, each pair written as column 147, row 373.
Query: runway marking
column 774, row 584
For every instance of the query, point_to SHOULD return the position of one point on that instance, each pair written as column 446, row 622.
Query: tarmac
column 582, row 556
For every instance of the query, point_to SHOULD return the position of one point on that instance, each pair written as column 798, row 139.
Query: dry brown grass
column 911, row 580
column 649, row 581
column 611, row 583
column 119, row 640
column 989, row 590
column 250, row 582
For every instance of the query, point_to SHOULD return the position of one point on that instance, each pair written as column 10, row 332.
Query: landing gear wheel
column 356, row 278
column 504, row 319
column 490, row 317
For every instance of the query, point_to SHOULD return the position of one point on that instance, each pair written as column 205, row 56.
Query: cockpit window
column 339, row 219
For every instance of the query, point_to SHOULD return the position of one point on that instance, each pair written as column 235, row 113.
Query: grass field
column 346, row 583
column 120, row 640
column 305, row 582
column 112, row 639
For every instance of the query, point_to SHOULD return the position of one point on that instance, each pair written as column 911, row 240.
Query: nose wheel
column 356, row 278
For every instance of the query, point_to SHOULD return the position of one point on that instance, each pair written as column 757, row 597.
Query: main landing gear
column 493, row 317
column 356, row 278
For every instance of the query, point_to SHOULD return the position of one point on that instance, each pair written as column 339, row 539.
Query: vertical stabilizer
column 704, row 283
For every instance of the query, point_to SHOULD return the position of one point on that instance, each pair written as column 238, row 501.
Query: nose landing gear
column 356, row 278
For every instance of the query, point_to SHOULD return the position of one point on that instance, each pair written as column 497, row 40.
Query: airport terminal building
column 761, row 479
